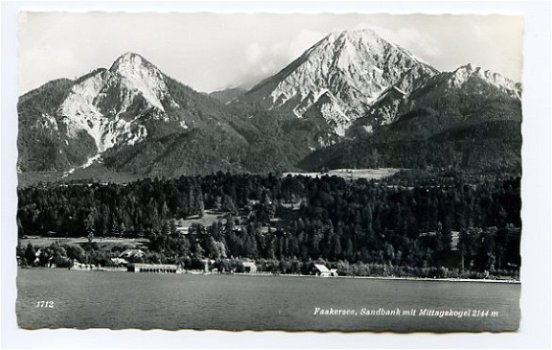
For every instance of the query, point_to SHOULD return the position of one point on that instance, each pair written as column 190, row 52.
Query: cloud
column 264, row 60
column 420, row 44
column 253, row 53
column 303, row 41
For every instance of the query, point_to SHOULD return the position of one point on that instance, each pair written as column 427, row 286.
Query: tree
column 89, row 224
column 165, row 229
column 172, row 228
column 215, row 249
column 229, row 227
column 349, row 252
column 20, row 230
column 336, row 247
column 165, row 211
column 270, row 254
column 375, row 222
column 464, row 247
column 114, row 227
column 197, row 249
column 250, row 246
column 30, row 254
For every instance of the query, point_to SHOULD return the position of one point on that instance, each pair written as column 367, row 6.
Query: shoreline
column 405, row 278
column 479, row 280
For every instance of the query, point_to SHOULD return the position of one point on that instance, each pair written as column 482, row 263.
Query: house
column 455, row 237
column 132, row 253
column 427, row 234
column 182, row 230
column 119, row 261
column 37, row 256
column 249, row 267
column 157, row 268
column 323, row 271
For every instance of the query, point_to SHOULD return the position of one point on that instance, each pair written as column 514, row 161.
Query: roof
column 321, row 268
column 131, row 252
column 119, row 261
column 157, row 266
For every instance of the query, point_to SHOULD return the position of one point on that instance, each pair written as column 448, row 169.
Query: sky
column 210, row 52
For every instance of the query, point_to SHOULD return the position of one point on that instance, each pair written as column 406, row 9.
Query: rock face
column 349, row 71
column 469, row 91
column 468, row 118
column 111, row 105
column 107, row 110
column 468, row 81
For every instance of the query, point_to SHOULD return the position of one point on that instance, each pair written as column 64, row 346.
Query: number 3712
column 43, row 304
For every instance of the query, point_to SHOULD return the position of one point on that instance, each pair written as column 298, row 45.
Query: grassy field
column 353, row 174
column 108, row 242
column 206, row 220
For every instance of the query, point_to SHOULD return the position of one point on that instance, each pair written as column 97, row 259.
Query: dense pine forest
column 404, row 225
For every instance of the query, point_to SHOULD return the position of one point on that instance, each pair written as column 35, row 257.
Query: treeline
column 275, row 218
column 106, row 210
column 480, row 154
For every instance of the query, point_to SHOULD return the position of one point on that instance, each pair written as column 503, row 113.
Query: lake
column 120, row 300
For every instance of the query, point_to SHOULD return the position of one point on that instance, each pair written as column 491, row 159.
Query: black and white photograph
column 327, row 172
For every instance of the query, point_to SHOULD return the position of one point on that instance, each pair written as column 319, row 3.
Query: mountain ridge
column 353, row 66
column 349, row 88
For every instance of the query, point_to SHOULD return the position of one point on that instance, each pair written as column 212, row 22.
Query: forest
column 404, row 225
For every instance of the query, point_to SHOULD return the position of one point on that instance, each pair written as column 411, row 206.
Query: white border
column 536, row 190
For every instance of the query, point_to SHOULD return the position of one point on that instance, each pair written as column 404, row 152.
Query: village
column 134, row 258
column 237, row 224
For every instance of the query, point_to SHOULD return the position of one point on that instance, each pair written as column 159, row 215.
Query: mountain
column 339, row 78
column 468, row 95
column 467, row 82
column 227, row 95
column 351, row 100
column 104, row 108
column 468, row 118
column 107, row 115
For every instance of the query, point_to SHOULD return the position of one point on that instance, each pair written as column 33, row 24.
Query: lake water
column 163, row 301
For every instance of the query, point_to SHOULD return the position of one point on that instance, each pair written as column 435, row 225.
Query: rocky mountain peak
column 139, row 75
column 109, row 104
column 355, row 66
column 470, row 74
column 355, row 36
column 130, row 61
